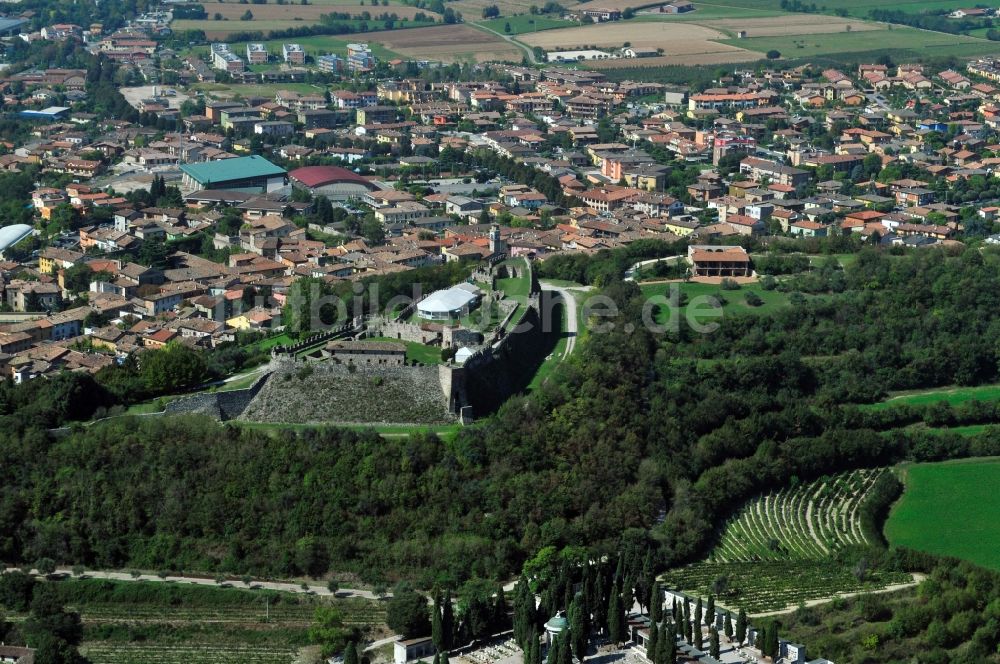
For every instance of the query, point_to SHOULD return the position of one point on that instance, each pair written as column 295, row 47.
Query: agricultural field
column 790, row 24
column 677, row 40
column 268, row 17
column 524, row 23
column 144, row 622
column 449, row 43
column 705, row 11
column 950, row 509
column 807, row 522
column 950, row 395
column 763, row 587
column 858, row 7
column 910, row 41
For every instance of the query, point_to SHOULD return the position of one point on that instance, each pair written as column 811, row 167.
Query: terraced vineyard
column 200, row 653
column 357, row 613
column 153, row 623
column 807, row 522
column 772, row 585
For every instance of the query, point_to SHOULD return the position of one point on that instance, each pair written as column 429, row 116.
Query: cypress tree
column 654, row 639
column 616, row 617
column 741, row 626
column 663, row 644
column 713, row 642
column 687, row 622
column 771, row 642
column 566, row 649
column 670, row 650
column 553, row 655
column 437, row 633
column 351, row 653
column 448, row 622
column 679, row 625
column 537, row 647
column 697, row 615
column 710, row 612
column 656, row 603
column 727, row 625
column 578, row 627
column 698, row 641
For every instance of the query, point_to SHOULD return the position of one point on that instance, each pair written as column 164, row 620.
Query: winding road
column 572, row 320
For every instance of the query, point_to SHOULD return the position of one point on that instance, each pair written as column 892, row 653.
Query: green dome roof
column 556, row 623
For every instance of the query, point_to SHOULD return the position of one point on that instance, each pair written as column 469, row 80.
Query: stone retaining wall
column 227, row 405
column 305, row 392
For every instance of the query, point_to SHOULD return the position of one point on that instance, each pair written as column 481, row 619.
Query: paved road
column 283, row 586
column 630, row 273
column 528, row 52
column 572, row 322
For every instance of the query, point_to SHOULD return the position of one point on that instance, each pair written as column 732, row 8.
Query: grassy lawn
column 525, row 23
column 951, row 395
column 918, row 42
column 554, row 358
column 416, row 352
column 698, row 300
column 516, row 287
column 968, row 430
column 277, row 340
column 240, row 383
column 950, row 509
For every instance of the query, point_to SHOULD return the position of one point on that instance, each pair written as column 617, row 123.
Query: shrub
column 729, row 284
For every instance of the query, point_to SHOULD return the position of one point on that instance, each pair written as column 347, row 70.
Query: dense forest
column 631, row 427
column 638, row 443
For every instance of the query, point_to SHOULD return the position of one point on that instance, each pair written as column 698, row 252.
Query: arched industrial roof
column 11, row 235
column 319, row 176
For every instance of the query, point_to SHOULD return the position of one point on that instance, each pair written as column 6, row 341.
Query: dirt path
column 283, row 586
column 528, row 52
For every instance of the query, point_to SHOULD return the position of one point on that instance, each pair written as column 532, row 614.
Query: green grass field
column 967, row 430
column 950, row 395
column 908, row 40
column 698, row 295
column 525, row 23
column 416, row 352
column 950, row 509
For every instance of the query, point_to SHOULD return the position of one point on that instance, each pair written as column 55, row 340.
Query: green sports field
column 950, row 509
column 950, row 395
